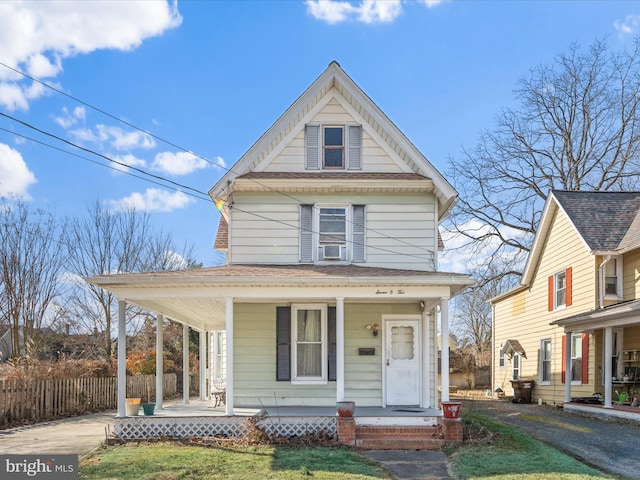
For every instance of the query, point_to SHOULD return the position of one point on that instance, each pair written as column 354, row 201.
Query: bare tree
column 577, row 128
column 32, row 259
column 106, row 242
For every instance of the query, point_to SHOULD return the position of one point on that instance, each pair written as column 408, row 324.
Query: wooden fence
column 36, row 400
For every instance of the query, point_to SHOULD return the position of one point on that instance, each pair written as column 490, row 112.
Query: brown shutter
column 569, row 296
column 551, row 293
column 585, row 358
column 564, row 358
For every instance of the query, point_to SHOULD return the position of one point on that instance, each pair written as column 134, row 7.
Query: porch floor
column 616, row 412
column 204, row 408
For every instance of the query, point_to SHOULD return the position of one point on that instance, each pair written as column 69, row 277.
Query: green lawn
column 168, row 461
column 507, row 453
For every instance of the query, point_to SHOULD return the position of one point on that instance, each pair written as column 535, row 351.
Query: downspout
column 601, row 280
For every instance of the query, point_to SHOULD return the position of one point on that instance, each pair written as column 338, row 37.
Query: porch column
column 339, row 349
column 203, row 362
column 608, row 351
column 567, row 367
column 229, row 355
column 185, row 364
column 444, row 349
column 122, row 359
column 159, row 361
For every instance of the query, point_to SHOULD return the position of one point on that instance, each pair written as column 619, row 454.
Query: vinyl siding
column 524, row 316
column 631, row 275
column 374, row 158
column 400, row 230
column 255, row 359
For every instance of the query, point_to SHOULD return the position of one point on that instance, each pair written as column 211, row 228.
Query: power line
column 168, row 142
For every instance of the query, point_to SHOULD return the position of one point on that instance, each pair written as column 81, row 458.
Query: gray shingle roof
column 605, row 220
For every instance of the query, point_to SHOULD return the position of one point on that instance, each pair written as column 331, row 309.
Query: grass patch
column 512, row 454
column 173, row 461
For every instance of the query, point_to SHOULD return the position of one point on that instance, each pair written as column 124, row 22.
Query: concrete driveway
column 76, row 435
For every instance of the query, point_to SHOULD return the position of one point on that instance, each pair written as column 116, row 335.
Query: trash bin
column 522, row 391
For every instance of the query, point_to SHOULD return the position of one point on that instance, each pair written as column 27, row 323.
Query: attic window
column 333, row 147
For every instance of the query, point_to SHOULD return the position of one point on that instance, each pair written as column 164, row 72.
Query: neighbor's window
column 515, row 366
column 545, row 360
column 501, row 357
column 333, row 147
column 309, row 333
column 576, row 357
column 560, row 289
column 611, row 277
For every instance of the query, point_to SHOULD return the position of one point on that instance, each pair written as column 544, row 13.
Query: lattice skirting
column 153, row 427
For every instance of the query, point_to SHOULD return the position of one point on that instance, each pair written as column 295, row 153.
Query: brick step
column 398, row 438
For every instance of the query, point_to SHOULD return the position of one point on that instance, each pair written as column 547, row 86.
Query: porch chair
column 219, row 392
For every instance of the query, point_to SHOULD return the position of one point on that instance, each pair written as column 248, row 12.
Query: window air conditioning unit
column 331, row 252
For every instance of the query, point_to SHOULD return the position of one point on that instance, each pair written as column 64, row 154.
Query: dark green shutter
column 331, row 336
column 283, row 342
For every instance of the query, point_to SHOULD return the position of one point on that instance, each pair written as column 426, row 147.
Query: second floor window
column 333, row 226
column 611, row 278
column 560, row 285
column 561, row 289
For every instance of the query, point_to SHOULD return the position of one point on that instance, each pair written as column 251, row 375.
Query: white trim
column 122, row 359
column 340, row 349
column 185, row 364
column 229, row 351
column 159, row 360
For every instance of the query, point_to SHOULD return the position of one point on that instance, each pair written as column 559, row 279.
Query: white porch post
column 229, row 337
column 608, row 351
column 159, row 360
column 339, row 349
column 185, row 364
column 203, row 362
column 426, row 400
column 122, row 359
column 444, row 349
column 567, row 367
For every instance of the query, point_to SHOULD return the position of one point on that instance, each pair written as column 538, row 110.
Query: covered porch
column 232, row 299
column 615, row 330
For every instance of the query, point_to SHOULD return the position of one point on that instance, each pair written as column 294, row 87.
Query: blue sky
column 212, row 77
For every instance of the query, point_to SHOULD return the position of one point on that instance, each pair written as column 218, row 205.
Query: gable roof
column 377, row 123
column 607, row 222
column 603, row 219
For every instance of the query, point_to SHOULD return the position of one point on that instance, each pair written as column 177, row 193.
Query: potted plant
column 148, row 407
column 133, row 406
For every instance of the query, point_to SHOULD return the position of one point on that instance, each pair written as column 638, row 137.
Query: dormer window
column 333, row 147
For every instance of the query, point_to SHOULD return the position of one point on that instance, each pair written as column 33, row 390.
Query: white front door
column 402, row 345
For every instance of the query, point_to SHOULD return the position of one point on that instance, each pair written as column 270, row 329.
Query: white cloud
column 69, row 119
column 36, row 36
column 129, row 160
column 365, row 11
column 179, row 163
column 15, row 176
column 629, row 26
column 116, row 137
column 153, row 200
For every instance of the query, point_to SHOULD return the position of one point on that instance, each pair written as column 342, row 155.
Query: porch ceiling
column 197, row 297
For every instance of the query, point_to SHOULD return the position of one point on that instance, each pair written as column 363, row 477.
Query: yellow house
column 573, row 324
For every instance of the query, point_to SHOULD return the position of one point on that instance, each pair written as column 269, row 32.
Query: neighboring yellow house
column 573, row 324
